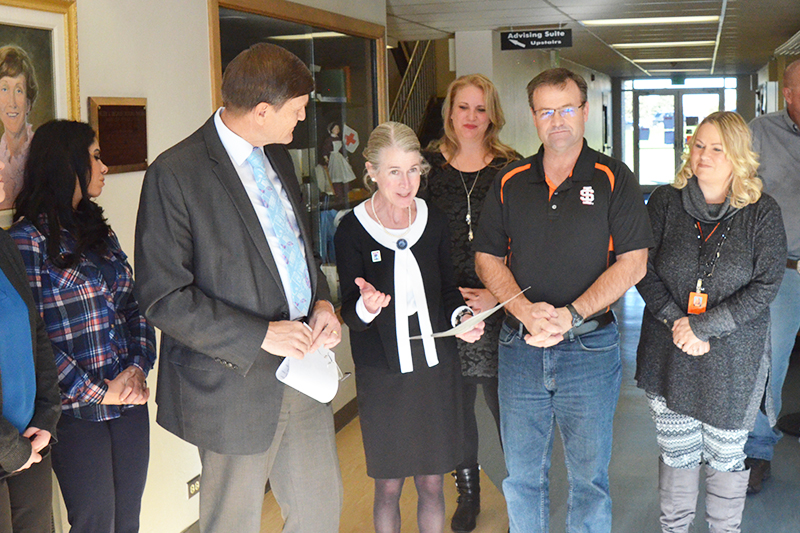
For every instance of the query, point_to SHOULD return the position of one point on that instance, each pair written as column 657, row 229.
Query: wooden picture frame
column 293, row 12
column 121, row 126
column 46, row 33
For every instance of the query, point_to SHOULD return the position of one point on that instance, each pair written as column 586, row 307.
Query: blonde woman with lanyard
column 704, row 352
column 393, row 256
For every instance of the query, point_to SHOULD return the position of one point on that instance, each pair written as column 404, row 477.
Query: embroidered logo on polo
column 587, row 195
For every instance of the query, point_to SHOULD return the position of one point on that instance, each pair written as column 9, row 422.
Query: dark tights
column 430, row 504
column 470, row 394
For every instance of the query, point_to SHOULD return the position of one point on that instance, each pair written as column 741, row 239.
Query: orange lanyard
column 709, row 235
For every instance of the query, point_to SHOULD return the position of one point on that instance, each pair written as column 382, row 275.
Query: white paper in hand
column 315, row 375
column 472, row 321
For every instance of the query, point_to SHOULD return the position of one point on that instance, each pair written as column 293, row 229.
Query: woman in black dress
column 463, row 165
column 393, row 256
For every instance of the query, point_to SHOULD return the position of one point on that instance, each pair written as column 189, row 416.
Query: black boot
column 468, row 483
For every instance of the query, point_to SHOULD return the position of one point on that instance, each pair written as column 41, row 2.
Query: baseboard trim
column 194, row 528
column 345, row 415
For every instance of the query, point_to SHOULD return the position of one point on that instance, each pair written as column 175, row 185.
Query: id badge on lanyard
column 698, row 300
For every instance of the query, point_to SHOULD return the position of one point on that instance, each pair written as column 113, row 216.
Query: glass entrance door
column 662, row 123
column 654, row 138
column 697, row 106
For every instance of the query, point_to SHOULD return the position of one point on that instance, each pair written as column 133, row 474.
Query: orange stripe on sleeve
column 608, row 172
column 612, row 182
column 509, row 176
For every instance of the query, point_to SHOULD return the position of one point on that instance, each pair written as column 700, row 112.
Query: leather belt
column 588, row 326
column 792, row 263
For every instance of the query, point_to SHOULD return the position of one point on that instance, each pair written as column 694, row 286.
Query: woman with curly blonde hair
column 745, row 186
column 704, row 353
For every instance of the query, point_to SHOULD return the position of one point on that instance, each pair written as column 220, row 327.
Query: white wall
column 474, row 53
column 511, row 71
column 159, row 50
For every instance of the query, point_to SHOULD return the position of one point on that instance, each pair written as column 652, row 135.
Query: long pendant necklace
column 469, row 203
column 401, row 242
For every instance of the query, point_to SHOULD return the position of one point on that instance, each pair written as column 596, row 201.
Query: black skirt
column 411, row 424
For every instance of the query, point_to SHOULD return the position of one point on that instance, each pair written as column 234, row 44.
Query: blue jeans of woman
column 785, row 314
column 574, row 384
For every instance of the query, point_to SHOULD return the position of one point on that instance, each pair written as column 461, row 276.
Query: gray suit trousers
column 302, row 467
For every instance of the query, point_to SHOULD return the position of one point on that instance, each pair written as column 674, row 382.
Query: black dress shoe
column 760, row 471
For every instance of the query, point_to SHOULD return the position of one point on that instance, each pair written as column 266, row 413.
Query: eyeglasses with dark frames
column 567, row 111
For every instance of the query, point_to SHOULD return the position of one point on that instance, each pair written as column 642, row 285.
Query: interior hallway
column 633, row 469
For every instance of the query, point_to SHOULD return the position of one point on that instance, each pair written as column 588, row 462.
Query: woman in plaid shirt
column 83, row 287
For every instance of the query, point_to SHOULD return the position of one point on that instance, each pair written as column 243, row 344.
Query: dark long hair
column 59, row 152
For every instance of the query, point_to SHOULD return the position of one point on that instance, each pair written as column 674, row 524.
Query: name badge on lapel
column 376, row 256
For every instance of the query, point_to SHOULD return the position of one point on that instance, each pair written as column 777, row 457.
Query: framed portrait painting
column 38, row 81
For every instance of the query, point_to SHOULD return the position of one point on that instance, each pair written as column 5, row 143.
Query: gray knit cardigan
column 725, row 387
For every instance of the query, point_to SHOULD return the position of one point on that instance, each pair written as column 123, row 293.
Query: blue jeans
column 785, row 316
column 575, row 384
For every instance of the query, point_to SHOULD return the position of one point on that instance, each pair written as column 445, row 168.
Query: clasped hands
column 292, row 338
column 374, row 301
column 128, row 388
column 545, row 323
column 684, row 338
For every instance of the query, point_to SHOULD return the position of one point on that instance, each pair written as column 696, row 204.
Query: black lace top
column 445, row 190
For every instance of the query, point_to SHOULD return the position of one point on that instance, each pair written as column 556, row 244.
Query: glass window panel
column 705, row 83
column 689, row 83
column 627, row 133
column 730, row 99
column 341, row 113
column 656, row 139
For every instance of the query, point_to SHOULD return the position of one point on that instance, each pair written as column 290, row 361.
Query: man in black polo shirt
column 570, row 224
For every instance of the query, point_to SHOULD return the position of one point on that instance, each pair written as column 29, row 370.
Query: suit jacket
column 206, row 277
column 14, row 449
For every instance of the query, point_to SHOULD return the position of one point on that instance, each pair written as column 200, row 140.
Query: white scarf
column 407, row 277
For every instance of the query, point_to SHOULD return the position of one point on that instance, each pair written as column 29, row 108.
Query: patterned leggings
column 685, row 442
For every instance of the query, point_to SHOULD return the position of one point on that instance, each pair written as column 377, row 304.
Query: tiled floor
column 633, row 469
column 357, row 511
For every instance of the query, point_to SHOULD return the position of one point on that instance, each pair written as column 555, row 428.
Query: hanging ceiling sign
column 533, row 39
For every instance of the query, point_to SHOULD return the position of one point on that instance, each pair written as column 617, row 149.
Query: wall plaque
column 121, row 126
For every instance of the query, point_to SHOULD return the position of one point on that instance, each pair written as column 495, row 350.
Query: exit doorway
column 660, row 114
column 665, row 120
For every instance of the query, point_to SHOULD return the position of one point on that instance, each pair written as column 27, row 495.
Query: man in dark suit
column 226, row 270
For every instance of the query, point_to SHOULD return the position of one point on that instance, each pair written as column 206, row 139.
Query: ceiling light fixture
column 674, row 44
column 679, row 70
column 674, row 60
column 304, row 36
column 641, row 21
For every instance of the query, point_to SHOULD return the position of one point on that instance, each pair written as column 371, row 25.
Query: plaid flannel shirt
column 97, row 331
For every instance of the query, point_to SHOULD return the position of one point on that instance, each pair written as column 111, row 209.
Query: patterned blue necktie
column 291, row 253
